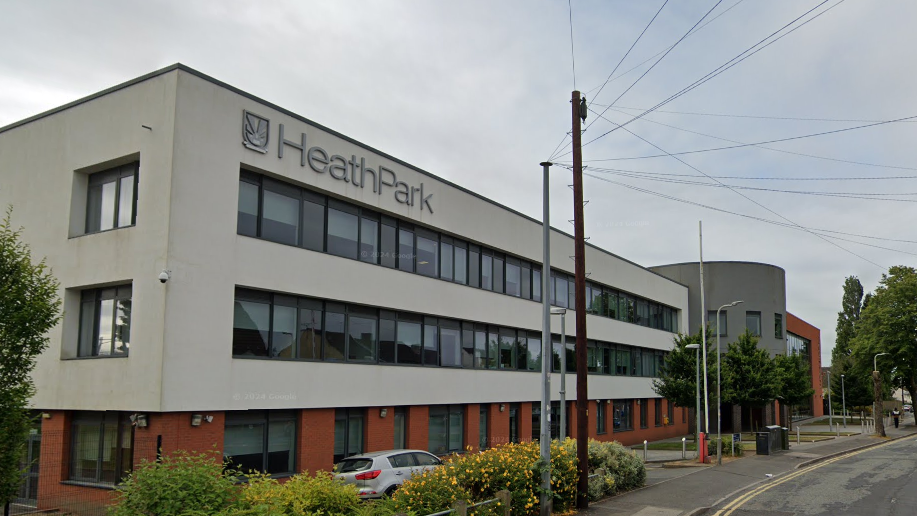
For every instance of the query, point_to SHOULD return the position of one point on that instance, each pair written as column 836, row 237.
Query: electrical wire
column 749, row 198
column 727, row 65
column 727, row 115
column 639, row 173
column 631, row 48
column 741, row 145
column 752, row 217
column 645, row 119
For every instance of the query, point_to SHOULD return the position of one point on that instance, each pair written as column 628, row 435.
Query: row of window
column 279, row 212
column 752, row 323
column 286, row 327
column 102, row 443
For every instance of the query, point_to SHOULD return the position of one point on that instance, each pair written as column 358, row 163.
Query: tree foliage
column 848, row 317
column 793, row 379
column 749, row 374
column 29, row 307
column 888, row 324
column 677, row 381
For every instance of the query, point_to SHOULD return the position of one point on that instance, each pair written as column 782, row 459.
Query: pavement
column 694, row 490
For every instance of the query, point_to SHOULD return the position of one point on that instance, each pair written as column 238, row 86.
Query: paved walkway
column 684, row 491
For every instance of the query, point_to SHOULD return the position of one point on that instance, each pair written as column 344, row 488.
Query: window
column 430, row 342
column 623, row 415
column 369, row 237
column 623, row 366
column 526, row 281
column 657, row 406
column 450, row 341
column 474, row 266
column 560, row 291
column 387, row 345
column 343, row 228
column 753, row 323
column 335, row 336
column 348, row 433
column 487, row 271
column 427, row 254
column 498, row 273
column 513, row 278
column 468, row 349
column 101, row 447
column 514, row 415
column 263, row 441
column 670, row 411
column 533, row 353
column 536, row 285
column 247, row 219
column 105, row 322
column 310, row 329
column 361, row 332
column 536, row 421
column 480, row 346
column 507, row 341
column 409, row 339
column 446, row 428
column 461, row 262
column 280, row 212
column 388, row 246
column 644, row 408
column 711, row 322
column 600, row 417
column 446, row 259
column 313, row 221
column 778, row 326
column 482, row 427
column 406, row 250
column 400, row 428
column 112, row 198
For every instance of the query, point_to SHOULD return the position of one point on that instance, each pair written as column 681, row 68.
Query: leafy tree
column 749, row 374
column 677, row 381
column 29, row 307
column 848, row 317
column 855, row 389
column 888, row 324
column 793, row 380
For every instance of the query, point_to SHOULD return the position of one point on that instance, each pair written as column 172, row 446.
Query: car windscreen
column 351, row 465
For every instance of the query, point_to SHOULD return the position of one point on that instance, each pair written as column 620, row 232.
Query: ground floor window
column 101, row 447
column 657, row 404
column 482, row 428
column 400, row 428
column 446, row 428
column 261, row 440
column 348, row 432
column 514, row 422
column 600, row 417
column 671, row 412
column 623, row 415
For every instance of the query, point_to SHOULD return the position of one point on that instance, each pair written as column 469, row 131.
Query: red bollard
column 702, row 447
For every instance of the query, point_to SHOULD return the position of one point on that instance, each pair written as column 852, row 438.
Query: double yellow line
column 731, row 507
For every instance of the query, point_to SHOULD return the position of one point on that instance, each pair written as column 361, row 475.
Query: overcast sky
column 478, row 93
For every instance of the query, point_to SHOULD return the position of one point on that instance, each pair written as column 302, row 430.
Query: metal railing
column 461, row 507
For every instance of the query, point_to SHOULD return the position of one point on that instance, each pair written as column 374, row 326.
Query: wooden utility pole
column 879, row 410
column 578, row 105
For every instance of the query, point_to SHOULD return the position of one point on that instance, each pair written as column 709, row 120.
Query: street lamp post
column 546, row 346
column 875, row 387
column 843, row 402
column 719, row 430
column 696, row 348
column 562, row 312
column 830, row 407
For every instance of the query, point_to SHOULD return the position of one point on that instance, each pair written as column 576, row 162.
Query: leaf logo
column 255, row 132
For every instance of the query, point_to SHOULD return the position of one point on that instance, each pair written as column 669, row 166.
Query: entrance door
column 28, row 491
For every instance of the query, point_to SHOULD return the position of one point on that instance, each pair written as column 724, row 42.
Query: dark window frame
column 266, row 417
column 94, row 297
column 88, row 419
column 113, row 175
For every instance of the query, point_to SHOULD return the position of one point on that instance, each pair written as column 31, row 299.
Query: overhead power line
column 737, row 192
column 638, row 173
column 762, row 117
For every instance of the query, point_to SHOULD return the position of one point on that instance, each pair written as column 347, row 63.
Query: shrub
column 182, row 483
column 478, row 477
column 300, row 494
column 623, row 469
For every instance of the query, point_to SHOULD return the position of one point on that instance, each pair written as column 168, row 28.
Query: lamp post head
column 692, row 346
column 736, row 303
column 558, row 311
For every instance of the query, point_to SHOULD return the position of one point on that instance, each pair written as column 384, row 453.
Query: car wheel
column 390, row 491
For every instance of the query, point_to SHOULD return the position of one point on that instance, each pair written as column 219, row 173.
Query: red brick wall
column 472, row 426
column 380, row 431
column 803, row 329
column 525, row 421
column 498, row 424
column 315, row 435
column 675, row 428
column 418, row 426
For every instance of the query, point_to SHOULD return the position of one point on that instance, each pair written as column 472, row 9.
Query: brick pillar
column 472, row 426
column 53, row 462
column 315, row 440
column 380, row 431
column 525, row 421
column 498, row 425
column 418, row 435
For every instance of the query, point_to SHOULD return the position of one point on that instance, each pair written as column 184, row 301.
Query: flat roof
column 217, row 82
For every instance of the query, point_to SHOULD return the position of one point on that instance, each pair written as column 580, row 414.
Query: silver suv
column 379, row 473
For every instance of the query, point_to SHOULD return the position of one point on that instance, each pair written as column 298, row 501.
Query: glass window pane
column 571, row 294
column 281, row 218
column 409, row 342
column 480, row 349
column 247, row 221
column 87, row 328
column 487, row 272
column 243, row 446
column 109, row 453
column 369, row 240
column 507, row 343
column 534, row 352
column 560, row 286
column 474, row 269
column 281, row 444
column 313, row 226
column 468, row 347
column 753, row 323
column 456, row 420
column 536, row 285
column 388, row 248
column 461, row 265
column 521, row 349
column 310, row 334
column 525, row 283
column 106, row 327
column 122, row 327
column 427, row 256
column 399, row 429
column 406, row 250
column 623, row 362
column 387, row 341
column 513, row 280
column 430, row 348
column 107, row 217
column 493, row 348
column 439, row 432
column 498, row 275
column 340, row 438
column 342, row 233
column 482, row 428
column 334, row 336
column 283, row 334
column 446, row 256
column 362, row 344
column 355, row 434
column 126, row 202
column 94, row 209
column 251, row 324
column 450, row 340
